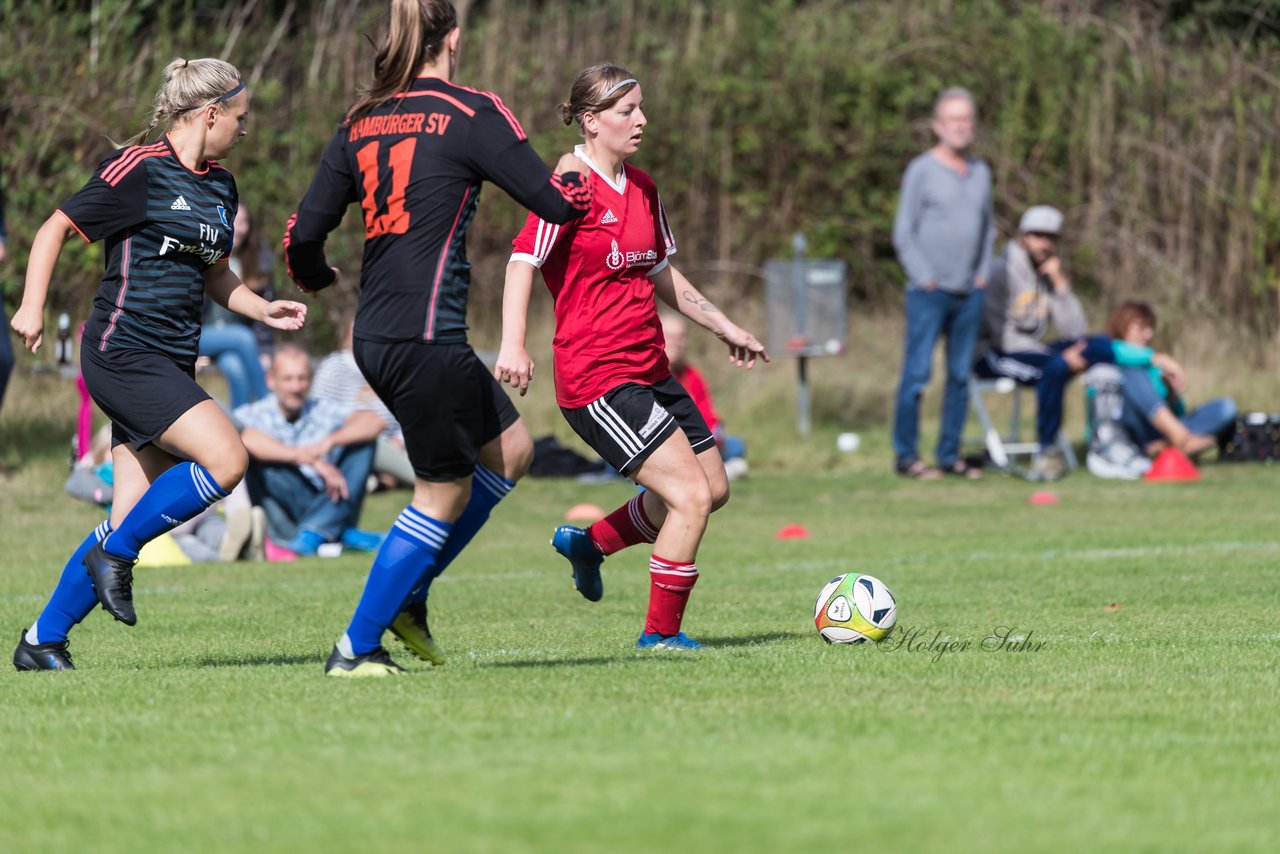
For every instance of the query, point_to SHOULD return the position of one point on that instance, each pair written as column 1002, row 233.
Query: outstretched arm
column 679, row 293
column 500, row 151
column 226, row 289
column 514, row 365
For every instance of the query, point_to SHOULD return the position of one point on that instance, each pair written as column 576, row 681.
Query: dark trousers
column 1049, row 373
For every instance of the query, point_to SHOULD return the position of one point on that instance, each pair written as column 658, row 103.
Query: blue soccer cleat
column 680, row 641
column 576, row 545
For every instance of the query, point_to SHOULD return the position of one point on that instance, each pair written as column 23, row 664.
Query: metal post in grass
column 805, row 306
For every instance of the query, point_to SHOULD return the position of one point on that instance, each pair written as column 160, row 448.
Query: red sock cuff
column 635, row 508
column 673, row 574
column 626, row 526
column 670, row 583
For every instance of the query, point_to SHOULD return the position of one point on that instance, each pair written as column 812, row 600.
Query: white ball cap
column 1041, row 219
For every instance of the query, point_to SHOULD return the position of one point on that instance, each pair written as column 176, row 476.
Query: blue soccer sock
column 72, row 599
column 407, row 556
column 175, row 496
column 487, row 489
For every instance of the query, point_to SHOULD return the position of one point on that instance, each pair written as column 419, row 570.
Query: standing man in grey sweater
column 944, row 232
column 1030, row 293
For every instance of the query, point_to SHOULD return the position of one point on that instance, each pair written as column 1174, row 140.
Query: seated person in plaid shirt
column 309, row 460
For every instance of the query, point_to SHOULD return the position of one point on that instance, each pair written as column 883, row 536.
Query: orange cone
column 792, row 532
column 584, row 513
column 1172, row 466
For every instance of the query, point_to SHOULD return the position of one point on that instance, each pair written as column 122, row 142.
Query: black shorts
column 446, row 401
column 141, row 391
column 631, row 421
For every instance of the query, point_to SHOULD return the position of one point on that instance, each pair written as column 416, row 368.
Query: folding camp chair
column 1005, row 449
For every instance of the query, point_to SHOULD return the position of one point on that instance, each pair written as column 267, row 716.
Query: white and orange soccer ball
column 855, row 608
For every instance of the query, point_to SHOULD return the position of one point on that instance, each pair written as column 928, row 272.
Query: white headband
column 616, row 86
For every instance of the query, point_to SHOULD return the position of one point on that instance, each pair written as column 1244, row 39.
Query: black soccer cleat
column 372, row 664
column 112, row 579
column 41, row 656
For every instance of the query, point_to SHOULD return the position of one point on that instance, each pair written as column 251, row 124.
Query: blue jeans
column 236, row 350
column 1049, row 373
column 929, row 315
column 293, row 503
column 1142, row 401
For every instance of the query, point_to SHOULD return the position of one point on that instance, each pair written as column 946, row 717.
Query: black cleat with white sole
column 112, row 578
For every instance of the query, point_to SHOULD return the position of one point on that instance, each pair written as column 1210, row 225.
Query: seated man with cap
column 1028, row 294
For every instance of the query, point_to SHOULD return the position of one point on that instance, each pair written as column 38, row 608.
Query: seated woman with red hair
column 1154, row 413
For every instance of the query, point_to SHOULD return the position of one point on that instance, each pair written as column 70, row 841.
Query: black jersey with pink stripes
column 416, row 164
column 164, row 226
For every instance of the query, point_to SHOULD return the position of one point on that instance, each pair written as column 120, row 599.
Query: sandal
column 962, row 469
column 918, row 470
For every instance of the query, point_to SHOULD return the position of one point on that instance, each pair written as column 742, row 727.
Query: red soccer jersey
column 597, row 269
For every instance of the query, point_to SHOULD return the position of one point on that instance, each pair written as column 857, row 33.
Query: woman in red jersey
column 612, row 379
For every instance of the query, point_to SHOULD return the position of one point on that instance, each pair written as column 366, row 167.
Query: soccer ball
column 855, row 608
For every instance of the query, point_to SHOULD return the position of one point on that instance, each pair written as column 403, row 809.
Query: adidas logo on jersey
column 179, row 204
column 608, row 218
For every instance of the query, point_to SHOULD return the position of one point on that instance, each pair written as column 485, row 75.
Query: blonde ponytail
column 189, row 84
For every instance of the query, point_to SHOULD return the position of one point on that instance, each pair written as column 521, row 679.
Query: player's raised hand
column 744, row 348
column 28, row 323
column 515, row 367
column 285, row 314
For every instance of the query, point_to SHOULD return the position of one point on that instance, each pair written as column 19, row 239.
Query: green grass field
column 1146, row 720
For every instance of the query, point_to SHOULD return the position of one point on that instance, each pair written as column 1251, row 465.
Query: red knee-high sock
column 670, row 583
column 624, row 527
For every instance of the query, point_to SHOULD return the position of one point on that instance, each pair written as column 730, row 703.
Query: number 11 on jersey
column 395, row 218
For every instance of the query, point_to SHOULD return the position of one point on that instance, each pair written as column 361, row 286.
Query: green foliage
column 1149, row 122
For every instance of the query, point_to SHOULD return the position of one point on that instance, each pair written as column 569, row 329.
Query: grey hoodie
column 1021, row 306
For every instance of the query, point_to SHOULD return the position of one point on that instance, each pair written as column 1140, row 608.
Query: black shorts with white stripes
column 631, row 421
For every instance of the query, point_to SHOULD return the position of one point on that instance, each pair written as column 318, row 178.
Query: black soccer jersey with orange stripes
column 164, row 226
column 416, row 165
